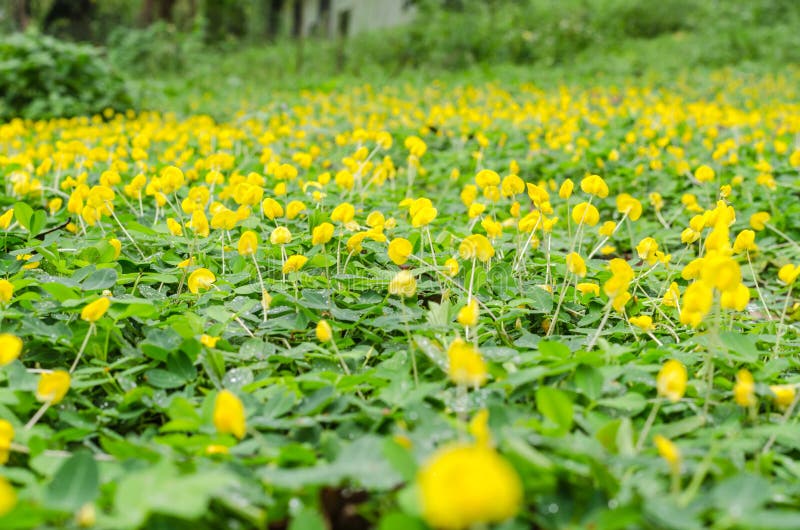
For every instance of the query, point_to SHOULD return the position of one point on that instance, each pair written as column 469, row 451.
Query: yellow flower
column 93, row 311
column 672, row 296
column 783, row 395
column 248, row 243
column 607, row 229
column 8, row 497
column 208, row 341
column 216, row 449
column 415, row 146
column 467, row 367
column 343, row 213
column 668, row 451
column 595, row 185
column 671, row 380
column 322, row 233
column 759, row 220
column 424, row 216
column 53, row 386
column 736, row 298
column 704, row 174
column 229, row 416
column 488, row 488
column 399, row 250
column 744, row 391
column 324, row 331
column 280, row 236
column 201, row 278
column 588, row 288
column 487, row 177
column 585, row 213
column 403, row 284
column 468, row 315
column 114, row 242
column 5, row 219
column 271, row 208
column 199, row 223
column 789, row 273
column 294, row 208
column 6, row 291
column 174, row 227
column 745, row 241
column 476, row 246
column 646, row 249
column 643, row 322
column 576, row 265
column 565, row 190
column 294, row 263
column 10, row 348
column 451, row 267
column 721, row 271
column 629, row 205
column 6, row 436
column 696, row 303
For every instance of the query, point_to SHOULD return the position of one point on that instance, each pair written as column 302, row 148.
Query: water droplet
column 552, row 508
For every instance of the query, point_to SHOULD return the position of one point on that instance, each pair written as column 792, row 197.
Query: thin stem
column 758, row 289
column 596, row 336
column 39, row 413
column 648, row 424
column 83, row 347
column 261, row 284
column 780, row 323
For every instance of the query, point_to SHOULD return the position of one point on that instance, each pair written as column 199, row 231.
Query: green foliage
column 159, row 47
column 43, row 77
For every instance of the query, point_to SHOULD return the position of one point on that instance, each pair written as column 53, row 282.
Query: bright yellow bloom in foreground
column 53, row 386
column 95, row 310
column 576, row 265
column 399, row 250
column 462, row 486
column 229, row 416
column 476, row 246
column 321, row 234
column 10, row 348
column 783, row 395
column 280, row 236
column 643, row 322
column 201, row 278
column 789, row 273
column 671, row 380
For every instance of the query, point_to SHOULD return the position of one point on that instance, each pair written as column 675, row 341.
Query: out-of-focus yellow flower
column 6, row 436
column 489, row 489
column 745, row 242
column 788, row 273
column 576, row 265
column 643, row 322
column 208, row 341
column 671, row 380
column 201, row 278
column 696, row 304
column 626, row 204
column 53, row 386
column 6, row 291
column 466, row 367
column 229, row 415
column 403, row 284
column 323, row 331
column 8, row 497
column 783, row 395
column 704, row 174
column 343, row 213
column 271, row 208
column 735, row 298
column 595, row 185
column 744, row 391
column 565, row 190
column 588, row 288
column 668, row 451
column 10, row 348
column 468, row 315
column 93, row 311
column 759, row 220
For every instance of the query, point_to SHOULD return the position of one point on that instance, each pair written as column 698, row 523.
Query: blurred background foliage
column 164, row 48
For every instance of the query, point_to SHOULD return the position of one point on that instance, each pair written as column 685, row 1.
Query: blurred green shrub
column 42, row 77
column 158, row 48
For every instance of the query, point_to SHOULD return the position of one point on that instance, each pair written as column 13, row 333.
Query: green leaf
column 76, row 483
column 556, row 406
column 100, row 279
column 308, row 519
column 38, row 220
column 23, row 214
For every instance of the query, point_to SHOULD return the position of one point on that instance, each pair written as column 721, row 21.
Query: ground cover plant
column 442, row 305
